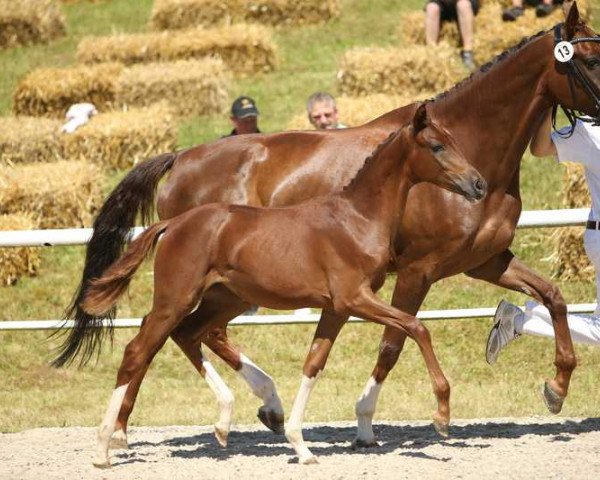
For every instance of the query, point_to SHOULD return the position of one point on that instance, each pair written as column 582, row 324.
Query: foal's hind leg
column 368, row 306
column 509, row 272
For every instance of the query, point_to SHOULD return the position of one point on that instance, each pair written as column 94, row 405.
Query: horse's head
column 436, row 158
column 574, row 80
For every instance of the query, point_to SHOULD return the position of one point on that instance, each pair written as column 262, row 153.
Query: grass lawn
column 33, row 394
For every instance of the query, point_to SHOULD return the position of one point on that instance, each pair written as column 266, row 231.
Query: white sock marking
column 293, row 429
column 261, row 384
column 365, row 409
column 223, row 394
column 107, row 426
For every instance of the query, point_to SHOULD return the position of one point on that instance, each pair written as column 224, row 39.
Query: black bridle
column 574, row 72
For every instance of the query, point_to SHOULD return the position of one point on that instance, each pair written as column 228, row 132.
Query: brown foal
column 492, row 115
column 331, row 252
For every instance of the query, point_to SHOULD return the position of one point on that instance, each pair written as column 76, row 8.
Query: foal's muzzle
column 475, row 189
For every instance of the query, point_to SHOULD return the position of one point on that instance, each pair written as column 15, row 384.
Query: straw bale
column 29, row 139
column 56, row 195
column 24, row 22
column 244, row 48
column 122, row 138
column 408, row 71
column 357, row 111
column 178, row 14
column 16, row 262
column 569, row 260
column 51, row 91
column 191, row 87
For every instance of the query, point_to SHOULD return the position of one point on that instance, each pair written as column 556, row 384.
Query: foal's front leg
column 368, row 306
column 412, row 285
column 327, row 331
column 509, row 272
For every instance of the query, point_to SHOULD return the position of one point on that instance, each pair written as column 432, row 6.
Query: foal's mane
column 369, row 160
column 495, row 61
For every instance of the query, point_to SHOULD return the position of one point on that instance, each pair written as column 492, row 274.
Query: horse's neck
column 502, row 105
column 384, row 179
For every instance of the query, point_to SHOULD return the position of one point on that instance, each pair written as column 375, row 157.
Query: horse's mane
column 371, row 157
column 495, row 61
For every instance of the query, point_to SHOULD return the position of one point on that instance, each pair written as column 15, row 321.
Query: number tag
column 563, row 52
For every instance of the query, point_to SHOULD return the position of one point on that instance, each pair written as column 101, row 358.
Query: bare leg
column 368, row 306
column 412, row 285
column 432, row 23
column 327, row 331
column 507, row 271
column 464, row 12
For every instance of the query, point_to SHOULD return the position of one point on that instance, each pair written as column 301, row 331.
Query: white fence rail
column 80, row 236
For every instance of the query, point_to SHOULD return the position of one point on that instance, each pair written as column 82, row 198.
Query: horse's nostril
column 479, row 185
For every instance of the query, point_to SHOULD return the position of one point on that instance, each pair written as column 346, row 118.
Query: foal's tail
column 133, row 195
column 103, row 293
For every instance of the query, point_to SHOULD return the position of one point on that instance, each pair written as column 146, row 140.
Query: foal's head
column 435, row 157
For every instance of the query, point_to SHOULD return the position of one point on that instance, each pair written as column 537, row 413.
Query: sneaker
column 543, row 10
column 468, row 60
column 503, row 332
column 511, row 14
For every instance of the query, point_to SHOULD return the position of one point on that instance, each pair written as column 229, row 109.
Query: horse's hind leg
column 368, row 306
column 327, row 331
column 509, row 272
column 411, row 288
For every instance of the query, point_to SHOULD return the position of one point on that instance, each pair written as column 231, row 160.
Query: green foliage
column 33, row 394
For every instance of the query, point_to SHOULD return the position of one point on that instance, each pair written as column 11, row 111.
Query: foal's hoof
column 272, row 420
column 441, row 428
column 101, row 463
column 221, row 435
column 360, row 443
column 310, row 460
column 118, row 441
column 553, row 400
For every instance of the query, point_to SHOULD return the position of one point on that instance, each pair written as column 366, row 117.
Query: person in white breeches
column 510, row 321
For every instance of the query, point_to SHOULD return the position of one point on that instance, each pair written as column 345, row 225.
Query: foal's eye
column 437, row 148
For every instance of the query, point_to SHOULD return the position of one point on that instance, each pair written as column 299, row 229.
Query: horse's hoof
column 360, row 443
column 101, row 463
column 272, row 420
column 118, row 441
column 221, row 436
column 310, row 460
column 553, row 400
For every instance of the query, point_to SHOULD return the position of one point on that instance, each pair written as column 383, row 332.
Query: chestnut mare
column 330, row 252
column 493, row 115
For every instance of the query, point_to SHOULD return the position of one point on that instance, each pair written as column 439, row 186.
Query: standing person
column 543, row 8
column 244, row 116
column 463, row 11
column 510, row 321
column 322, row 111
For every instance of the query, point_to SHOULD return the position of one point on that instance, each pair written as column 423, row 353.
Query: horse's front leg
column 412, row 285
column 328, row 328
column 509, row 272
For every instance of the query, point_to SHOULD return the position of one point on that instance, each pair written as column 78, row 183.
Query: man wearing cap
column 244, row 116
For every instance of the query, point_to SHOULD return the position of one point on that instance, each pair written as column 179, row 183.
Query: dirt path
column 494, row 448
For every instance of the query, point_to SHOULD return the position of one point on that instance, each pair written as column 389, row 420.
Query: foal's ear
column 420, row 119
column 572, row 14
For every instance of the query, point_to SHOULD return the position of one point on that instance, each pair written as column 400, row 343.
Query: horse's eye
column 592, row 62
column 437, row 148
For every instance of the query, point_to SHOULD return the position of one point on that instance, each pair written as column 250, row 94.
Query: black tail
column 133, row 195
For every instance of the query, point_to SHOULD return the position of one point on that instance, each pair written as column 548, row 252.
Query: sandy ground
column 494, row 448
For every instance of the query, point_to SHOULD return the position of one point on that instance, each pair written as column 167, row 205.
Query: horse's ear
column 420, row 119
column 572, row 13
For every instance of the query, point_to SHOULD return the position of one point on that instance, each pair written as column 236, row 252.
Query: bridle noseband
column 574, row 71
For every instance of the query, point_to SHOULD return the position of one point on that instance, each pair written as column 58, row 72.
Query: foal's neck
column 380, row 186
